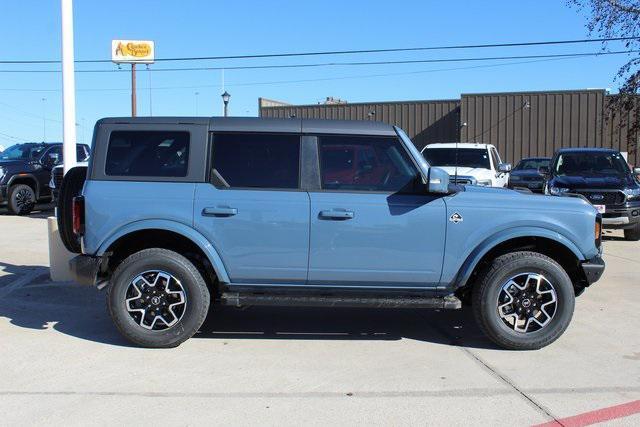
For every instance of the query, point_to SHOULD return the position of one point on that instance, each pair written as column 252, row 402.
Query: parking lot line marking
column 597, row 416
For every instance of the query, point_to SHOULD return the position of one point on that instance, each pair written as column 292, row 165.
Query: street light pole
column 68, row 87
column 225, row 99
column 134, row 102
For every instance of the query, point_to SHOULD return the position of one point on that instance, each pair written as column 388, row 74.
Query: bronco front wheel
column 158, row 298
column 524, row 301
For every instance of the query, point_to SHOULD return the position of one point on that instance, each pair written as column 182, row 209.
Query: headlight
column 632, row 193
column 2, row 172
column 484, row 182
column 558, row 191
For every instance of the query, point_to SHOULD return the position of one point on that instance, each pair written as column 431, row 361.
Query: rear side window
column 252, row 160
column 148, row 153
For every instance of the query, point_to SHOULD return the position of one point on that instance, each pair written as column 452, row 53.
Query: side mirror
column 504, row 167
column 51, row 160
column 544, row 170
column 438, row 181
column 636, row 171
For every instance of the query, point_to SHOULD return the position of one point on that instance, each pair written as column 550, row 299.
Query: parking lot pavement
column 63, row 361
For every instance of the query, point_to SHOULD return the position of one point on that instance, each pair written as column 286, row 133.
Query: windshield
column 466, row 157
column 22, row 152
column 532, row 164
column 591, row 164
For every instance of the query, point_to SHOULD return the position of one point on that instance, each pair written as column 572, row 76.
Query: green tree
column 619, row 18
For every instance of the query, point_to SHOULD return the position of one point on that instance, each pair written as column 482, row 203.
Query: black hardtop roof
column 587, row 150
column 259, row 124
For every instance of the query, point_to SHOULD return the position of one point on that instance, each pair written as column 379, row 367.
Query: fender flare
column 502, row 236
column 27, row 176
column 178, row 228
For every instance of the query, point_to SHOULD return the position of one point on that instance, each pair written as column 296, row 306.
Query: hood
column 595, row 182
column 466, row 171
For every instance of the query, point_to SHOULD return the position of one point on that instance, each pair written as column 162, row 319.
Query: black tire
column 489, row 287
column 22, row 199
column 196, row 296
column 70, row 187
column 632, row 234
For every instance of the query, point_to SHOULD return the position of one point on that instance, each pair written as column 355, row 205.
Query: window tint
column 257, row 160
column 148, row 153
column 495, row 158
column 464, row 157
column 81, row 153
column 365, row 164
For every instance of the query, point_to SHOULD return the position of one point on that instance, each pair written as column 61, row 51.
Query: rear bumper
column 85, row 269
column 593, row 269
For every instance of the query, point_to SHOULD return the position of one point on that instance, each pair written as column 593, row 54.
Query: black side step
column 247, row 299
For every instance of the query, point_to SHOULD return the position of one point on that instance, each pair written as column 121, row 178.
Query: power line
column 334, row 64
column 275, row 82
column 342, row 52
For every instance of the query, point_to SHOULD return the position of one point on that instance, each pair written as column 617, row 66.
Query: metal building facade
column 425, row 122
column 520, row 124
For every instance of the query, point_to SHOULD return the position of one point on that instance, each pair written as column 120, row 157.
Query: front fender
column 492, row 241
column 178, row 228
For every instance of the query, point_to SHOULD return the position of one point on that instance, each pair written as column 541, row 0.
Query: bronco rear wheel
column 523, row 301
column 158, row 298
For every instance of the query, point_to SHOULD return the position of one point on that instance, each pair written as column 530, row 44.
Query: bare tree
column 620, row 18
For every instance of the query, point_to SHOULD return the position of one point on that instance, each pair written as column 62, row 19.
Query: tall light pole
column 68, row 87
column 225, row 99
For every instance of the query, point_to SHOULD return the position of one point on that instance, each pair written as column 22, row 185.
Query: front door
column 372, row 223
column 253, row 212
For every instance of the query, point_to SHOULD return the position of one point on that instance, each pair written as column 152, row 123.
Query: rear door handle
column 336, row 214
column 219, row 211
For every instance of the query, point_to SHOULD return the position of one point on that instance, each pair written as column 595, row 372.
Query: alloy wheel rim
column 156, row 300
column 24, row 199
column 527, row 302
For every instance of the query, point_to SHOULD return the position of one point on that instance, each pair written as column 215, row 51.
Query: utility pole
column 133, row 90
column 68, row 87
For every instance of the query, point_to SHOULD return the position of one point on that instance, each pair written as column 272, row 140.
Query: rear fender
column 178, row 228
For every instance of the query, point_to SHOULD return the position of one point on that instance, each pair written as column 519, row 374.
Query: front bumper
column 85, row 269
column 593, row 269
column 621, row 217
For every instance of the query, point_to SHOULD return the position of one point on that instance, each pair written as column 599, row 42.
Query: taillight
column 598, row 230
column 78, row 215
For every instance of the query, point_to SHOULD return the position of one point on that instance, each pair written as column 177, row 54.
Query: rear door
column 372, row 222
column 253, row 211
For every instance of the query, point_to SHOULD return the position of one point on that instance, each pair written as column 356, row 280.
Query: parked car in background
column 527, row 174
column 605, row 179
column 174, row 213
column 57, row 174
column 25, row 172
column 469, row 163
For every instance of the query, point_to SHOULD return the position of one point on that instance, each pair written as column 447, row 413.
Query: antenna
column 455, row 179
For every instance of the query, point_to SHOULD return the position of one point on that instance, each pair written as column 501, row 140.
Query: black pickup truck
column 605, row 179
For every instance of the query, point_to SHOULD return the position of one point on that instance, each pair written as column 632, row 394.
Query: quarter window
column 253, row 160
column 148, row 153
column 364, row 163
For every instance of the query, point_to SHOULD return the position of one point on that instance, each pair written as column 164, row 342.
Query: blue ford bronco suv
column 174, row 214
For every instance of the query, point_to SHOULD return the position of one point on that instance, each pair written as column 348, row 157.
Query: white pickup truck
column 469, row 163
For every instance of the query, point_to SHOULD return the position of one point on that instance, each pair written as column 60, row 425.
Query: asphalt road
column 62, row 361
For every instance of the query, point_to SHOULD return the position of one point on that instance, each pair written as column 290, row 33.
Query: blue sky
column 30, row 29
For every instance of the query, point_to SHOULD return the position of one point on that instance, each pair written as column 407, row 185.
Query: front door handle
column 336, row 214
column 219, row 211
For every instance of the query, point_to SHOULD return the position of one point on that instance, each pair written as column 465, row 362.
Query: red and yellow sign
column 132, row 51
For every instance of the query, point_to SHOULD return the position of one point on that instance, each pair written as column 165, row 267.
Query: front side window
column 463, row 157
column 23, row 152
column 364, row 163
column 148, row 153
column 253, row 160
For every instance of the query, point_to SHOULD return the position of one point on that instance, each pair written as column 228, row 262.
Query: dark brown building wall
column 533, row 123
column 616, row 132
column 424, row 121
